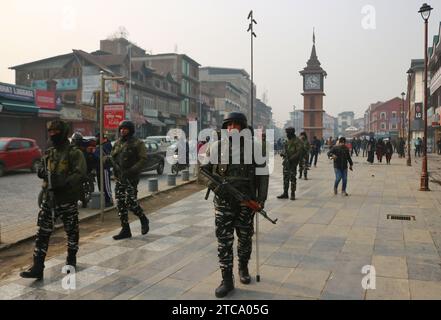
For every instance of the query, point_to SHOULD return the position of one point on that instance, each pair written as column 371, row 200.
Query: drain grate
column 400, row 217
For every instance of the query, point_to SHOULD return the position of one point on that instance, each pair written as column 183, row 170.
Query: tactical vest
column 126, row 153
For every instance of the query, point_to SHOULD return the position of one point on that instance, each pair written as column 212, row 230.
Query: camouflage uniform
column 68, row 169
column 291, row 156
column 129, row 157
column 304, row 160
column 230, row 215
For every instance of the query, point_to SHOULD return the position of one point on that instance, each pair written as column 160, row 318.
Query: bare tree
column 122, row 32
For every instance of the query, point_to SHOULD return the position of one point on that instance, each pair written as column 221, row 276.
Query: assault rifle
column 50, row 191
column 219, row 184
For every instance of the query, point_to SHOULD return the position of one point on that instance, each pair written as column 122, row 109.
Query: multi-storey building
column 239, row 78
column 345, row 120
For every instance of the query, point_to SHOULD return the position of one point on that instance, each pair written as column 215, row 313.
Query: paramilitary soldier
column 291, row 154
column 67, row 168
column 304, row 161
column 129, row 157
column 231, row 215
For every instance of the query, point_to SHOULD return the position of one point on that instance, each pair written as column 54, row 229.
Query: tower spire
column 313, row 35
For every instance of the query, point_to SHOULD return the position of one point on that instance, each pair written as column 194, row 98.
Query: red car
column 18, row 153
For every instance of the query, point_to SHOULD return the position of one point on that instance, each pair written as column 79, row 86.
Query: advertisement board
column 113, row 115
column 45, row 99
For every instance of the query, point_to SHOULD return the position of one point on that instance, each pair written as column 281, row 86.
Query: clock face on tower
column 312, row 82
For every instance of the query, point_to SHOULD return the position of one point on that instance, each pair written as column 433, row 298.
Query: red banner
column 113, row 115
column 45, row 99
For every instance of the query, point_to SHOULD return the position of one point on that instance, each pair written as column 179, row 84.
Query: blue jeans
column 339, row 175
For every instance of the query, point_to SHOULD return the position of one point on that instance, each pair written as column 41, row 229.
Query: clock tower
column 313, row 93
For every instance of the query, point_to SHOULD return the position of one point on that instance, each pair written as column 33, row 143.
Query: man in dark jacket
column 341, row 156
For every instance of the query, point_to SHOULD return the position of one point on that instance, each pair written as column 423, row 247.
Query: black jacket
column 343, row 157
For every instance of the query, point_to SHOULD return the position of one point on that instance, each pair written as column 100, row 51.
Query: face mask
column 290, row 135
column 56, row 140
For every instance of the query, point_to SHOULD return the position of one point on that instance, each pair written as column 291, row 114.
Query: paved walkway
column 19, row 210
column 316, row 251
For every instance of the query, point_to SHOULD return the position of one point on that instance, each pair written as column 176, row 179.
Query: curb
column 98, row 213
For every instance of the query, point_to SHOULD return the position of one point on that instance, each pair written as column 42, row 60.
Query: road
column 19, row 191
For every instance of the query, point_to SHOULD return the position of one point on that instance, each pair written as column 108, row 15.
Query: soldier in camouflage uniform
column 291, row 154
column 129, row 158
column 231, row 215
column 67, row 167
column 304, row 161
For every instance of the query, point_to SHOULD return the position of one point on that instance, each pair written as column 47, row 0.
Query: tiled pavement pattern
column 18, row 202
column 316, row 251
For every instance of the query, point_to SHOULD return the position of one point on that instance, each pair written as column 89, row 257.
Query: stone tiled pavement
column 316, row 251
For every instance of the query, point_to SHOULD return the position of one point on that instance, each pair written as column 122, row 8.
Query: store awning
column 154, row 122
column 18, row 106
column 168, row 121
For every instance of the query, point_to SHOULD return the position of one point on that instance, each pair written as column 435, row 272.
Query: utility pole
column 253, row 35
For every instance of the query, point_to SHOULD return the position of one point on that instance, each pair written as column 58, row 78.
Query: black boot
column 144, row 224
column 243, row 273
column 36, row 271
column 293, row 195
column 71, row 259
column 124, row 233
column 226, row 285
column 284, row 195
column 306, row 176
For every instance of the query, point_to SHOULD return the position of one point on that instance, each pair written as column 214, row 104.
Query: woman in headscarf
column 380, row 150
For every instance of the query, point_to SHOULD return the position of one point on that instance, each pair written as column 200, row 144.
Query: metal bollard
column 152, row 185
column 95, row 200
column 186, row 175
column 171, row 180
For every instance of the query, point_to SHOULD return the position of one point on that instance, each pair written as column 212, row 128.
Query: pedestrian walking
column 389, row 150
column 379, row 149
column 107, row 150
column 341, row 156
column 418, row 143
column 315, row 150
column 304, row 159
column 230, row 215
column 129, row 158
column 370, row 148
column 63, row 170
column 291, row 155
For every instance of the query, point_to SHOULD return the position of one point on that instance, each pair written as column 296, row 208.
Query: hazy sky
column 363, row 65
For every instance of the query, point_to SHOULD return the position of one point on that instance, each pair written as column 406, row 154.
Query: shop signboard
column 113, row 115
column 71, row 114
column 16, row 93
column 418, row 111
column 45, row 99
column 70, row 84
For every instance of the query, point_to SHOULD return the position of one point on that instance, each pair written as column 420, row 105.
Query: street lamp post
column 103, row 90
column 253, row 35
column 402, row 115
column 425, row 14
column 409, row 88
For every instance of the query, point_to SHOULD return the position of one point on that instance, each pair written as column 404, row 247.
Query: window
column 394, row 114
column 383, row 115
column 383, row 126
column 185, row 68
column 394, row 126
column 26, row 144
column 15, row 145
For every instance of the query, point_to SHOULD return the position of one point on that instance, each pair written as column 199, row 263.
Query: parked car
column 155, row 157
column 19, row 153
column 162, row 141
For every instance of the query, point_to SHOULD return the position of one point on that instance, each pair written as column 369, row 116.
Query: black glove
column 41, row 173
column 220, row 191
